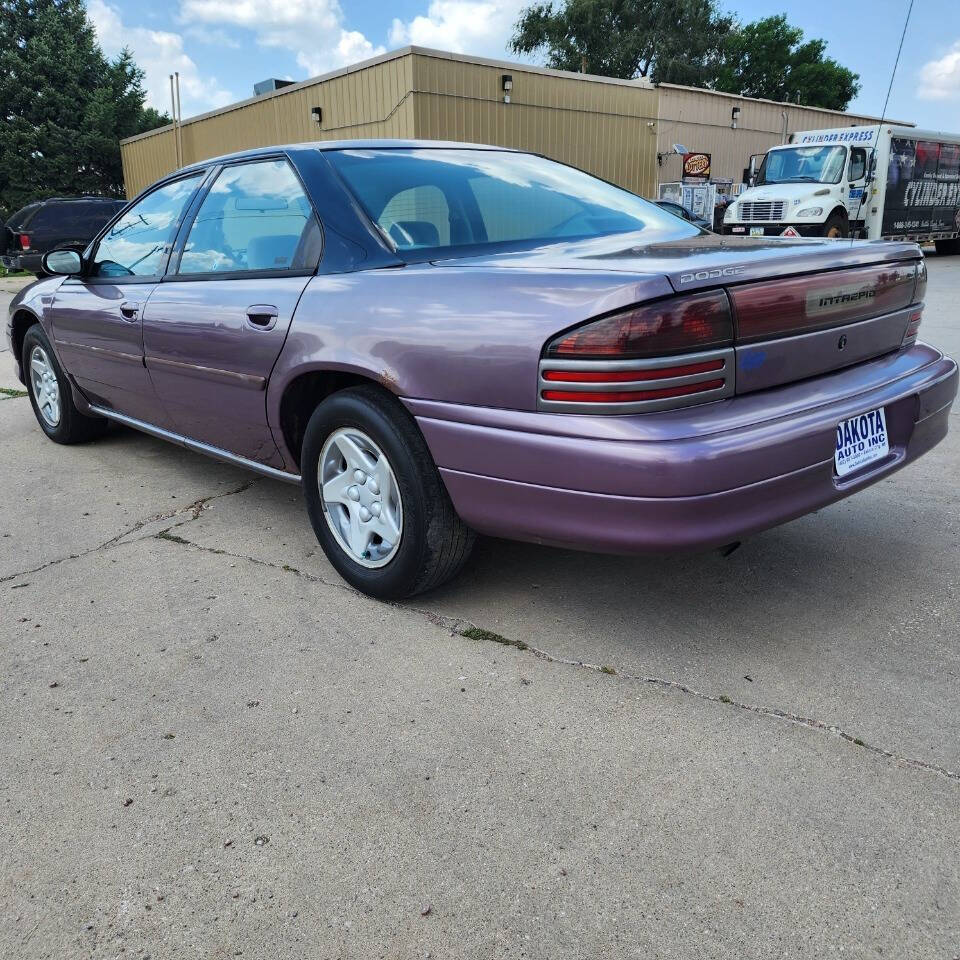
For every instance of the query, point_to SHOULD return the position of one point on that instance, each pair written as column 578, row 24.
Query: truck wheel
column 51, row 396
column 947, row 248
column 836, row 226
column 375, row 498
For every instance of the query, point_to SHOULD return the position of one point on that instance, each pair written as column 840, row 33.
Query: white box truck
column 874, row 182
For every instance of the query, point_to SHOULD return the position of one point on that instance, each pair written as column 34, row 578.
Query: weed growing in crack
column 172, row 537
column 476, row 633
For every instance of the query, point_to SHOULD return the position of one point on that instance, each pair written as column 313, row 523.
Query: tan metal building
column 704, row 120
column 616, row 129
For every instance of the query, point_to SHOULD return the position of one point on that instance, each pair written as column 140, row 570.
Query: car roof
column 85, row 199
column 380, row 144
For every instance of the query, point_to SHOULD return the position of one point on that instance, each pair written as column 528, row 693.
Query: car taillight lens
column 24, row 241
column 913, row 326
column 670, row 353
column 698, row 322
column 920, row 290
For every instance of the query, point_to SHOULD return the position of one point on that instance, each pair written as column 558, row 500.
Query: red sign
column 696, row 166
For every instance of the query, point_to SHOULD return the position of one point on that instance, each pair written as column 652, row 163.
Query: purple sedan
column 439, row 340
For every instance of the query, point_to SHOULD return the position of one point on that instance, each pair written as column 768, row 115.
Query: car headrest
column 415, row 233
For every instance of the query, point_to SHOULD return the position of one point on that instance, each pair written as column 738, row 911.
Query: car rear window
column 74, row 218
column 432, row 200
column 22, row 216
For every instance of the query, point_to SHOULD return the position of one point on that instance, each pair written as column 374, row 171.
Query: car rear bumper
column 31, row 262
column 685, row 479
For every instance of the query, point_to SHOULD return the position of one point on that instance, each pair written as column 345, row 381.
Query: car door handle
column 262, row 315
column 129, row 310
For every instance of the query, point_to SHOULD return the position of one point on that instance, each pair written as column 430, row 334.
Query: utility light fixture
column 734, row 117
column 317, row 114
column 506, row 81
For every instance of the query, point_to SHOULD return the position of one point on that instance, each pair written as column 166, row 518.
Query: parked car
column 439, row 340
column 57, row 223
column 678, row 210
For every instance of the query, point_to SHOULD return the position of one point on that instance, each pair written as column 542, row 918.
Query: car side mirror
column 62, row 263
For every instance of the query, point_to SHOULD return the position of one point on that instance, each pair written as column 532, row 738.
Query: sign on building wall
column 696, row 167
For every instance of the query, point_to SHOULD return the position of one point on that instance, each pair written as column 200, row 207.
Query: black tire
column 837, row 225
column 72, row 426
column 434, row 543
column 947, row 248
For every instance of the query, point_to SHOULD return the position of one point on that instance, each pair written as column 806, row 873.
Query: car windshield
column 803, row 165
column 428, row 201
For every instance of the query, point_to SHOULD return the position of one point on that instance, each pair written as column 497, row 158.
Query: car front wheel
column 50, row 393
column 375, row 499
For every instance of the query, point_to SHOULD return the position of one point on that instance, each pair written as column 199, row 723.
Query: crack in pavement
column 194, row 509
column 466, row 628
column 470, row 630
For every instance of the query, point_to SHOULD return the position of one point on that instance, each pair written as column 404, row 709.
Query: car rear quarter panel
column 470, row 336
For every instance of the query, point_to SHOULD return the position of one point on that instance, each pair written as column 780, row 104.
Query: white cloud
column 940, row 79
column 480, row 27
column 313, row 32
column 158, row 53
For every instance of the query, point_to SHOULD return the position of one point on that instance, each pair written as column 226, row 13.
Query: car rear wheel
column 375, row 499
column 836, row 226
column 51, row 396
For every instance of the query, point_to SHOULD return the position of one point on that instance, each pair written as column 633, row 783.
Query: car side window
column 138, row 243
column 511, row 211
column 858, row 163
column 255, row 217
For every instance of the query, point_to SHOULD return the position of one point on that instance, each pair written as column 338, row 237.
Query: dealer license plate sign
column 861, row 440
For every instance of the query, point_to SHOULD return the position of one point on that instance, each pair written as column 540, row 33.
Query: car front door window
column 137, row 245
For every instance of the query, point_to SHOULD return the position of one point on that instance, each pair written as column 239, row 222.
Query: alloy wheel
column 361, row 497
column 45, row 386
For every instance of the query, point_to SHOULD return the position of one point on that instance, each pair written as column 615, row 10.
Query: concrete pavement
column 214, row 747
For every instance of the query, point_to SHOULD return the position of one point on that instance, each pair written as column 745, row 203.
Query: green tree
column 685, row 41
column 677, row 41
column 63, row 105
column 769, row 58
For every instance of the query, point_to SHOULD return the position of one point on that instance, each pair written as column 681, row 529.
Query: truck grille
column 765, row 211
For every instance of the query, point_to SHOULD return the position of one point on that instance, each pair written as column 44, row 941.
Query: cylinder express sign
column 923, row 188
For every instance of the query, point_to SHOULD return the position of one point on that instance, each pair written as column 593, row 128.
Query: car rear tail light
column 632, row 396
column 24, row 241
column 678, row 324
column 670, row 353
column 913, row 326
column 779, row 308
column 920, row 291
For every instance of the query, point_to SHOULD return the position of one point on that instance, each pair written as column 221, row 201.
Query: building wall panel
column 607, row 128
column 371, row 101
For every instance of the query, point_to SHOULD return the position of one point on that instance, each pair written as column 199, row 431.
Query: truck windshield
column 803, row 165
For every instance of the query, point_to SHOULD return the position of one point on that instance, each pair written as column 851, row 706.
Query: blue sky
column 221, row 47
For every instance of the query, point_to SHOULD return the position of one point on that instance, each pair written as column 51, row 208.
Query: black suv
column 51, row 225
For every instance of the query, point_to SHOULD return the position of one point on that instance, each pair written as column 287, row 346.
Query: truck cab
column 811, row 187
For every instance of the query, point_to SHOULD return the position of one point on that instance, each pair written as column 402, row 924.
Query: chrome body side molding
column 205, row 448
